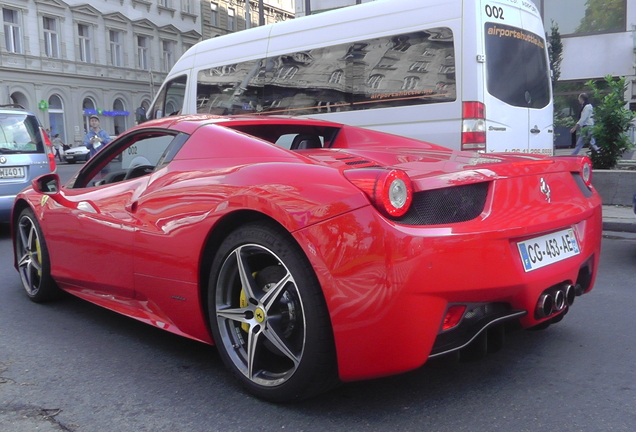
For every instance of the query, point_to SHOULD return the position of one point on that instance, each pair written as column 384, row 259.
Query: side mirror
column 48, row 184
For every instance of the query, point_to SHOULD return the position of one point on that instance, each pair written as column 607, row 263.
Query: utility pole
column 261, row 13
column 248, row 17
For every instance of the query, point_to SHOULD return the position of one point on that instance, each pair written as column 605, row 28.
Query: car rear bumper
column 388, row 287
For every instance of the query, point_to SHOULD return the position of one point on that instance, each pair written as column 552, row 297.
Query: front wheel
column 268, row 315
column 33, row 259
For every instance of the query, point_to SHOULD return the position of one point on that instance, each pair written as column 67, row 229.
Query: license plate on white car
column 11, row 172
column 548, row 249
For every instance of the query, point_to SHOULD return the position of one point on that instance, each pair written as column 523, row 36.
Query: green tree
column 611, row 122
column 602, row 15
column 555, row 52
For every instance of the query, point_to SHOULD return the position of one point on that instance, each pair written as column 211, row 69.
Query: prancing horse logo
column 545, row 189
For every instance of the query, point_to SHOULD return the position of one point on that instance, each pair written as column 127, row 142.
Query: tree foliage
column 555, row 52
column 602, row 15
column 612, row 121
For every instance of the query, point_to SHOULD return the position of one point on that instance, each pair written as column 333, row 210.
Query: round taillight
column 395, row 192
column 390, row 191
column 586, row 171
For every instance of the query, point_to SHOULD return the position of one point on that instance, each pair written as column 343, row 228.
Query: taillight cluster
column 390, row 191
column 473, row 126
column 48, row 148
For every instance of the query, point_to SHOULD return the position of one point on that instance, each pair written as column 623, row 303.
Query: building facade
column 66, row 60
column 220, row 17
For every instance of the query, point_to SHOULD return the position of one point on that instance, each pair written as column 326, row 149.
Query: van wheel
column 268, row 315
column 34, row 265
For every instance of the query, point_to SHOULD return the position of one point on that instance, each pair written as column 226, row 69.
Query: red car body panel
column 387, row 285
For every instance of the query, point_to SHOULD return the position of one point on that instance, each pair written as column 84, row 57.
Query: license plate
column 11, row 172
column 548, row 249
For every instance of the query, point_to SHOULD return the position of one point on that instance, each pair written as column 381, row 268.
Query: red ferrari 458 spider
column 311, row 252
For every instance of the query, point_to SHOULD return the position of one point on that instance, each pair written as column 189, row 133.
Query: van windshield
column 517, row 66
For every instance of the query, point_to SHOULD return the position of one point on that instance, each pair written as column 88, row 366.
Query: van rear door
column 517, row 82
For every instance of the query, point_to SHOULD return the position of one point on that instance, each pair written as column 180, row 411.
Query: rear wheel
column 33, row 259
column 268, row 315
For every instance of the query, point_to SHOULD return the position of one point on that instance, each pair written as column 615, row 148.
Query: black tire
column 268, row 315
column 34, row 265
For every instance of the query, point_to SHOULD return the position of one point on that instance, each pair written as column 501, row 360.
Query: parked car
column 25, row 153
column 312, row 252
column 77, row 154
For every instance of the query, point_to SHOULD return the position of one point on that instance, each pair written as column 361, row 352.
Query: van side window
column 399, row 70
column 170, row 98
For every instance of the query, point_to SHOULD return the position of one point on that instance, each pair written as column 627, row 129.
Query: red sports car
column 311, row 252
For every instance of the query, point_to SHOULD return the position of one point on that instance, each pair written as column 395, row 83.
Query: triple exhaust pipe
column 555, row 299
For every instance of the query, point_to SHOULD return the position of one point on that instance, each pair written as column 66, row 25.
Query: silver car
column 25, row 153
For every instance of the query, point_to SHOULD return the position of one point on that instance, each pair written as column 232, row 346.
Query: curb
column 619, row 226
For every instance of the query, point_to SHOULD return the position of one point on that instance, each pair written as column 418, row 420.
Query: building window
column 12, row 30
column 51, row 37
column 165, row 3
column 386, row 63
column 83, row 32
column 186, row 6
column 214, row 18
column 186, row 46
column 142, row 52
column 115, row 48
column 287, row 72
column 56, row 116
column 119, row 121
column 584, row 17
column 230, row 19
column 419, row 66
column 336, row 76
column 167, row 55
column 375, row 81
column 410, row 83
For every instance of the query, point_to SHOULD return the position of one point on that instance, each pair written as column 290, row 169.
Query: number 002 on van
column 466, row 74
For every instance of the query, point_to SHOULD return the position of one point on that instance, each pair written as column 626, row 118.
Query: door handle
column 535, row 130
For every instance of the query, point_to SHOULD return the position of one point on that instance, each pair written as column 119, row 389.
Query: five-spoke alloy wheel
column 268, row 315
column 33, row 259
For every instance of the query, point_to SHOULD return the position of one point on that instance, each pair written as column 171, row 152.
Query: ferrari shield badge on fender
column 545, row 189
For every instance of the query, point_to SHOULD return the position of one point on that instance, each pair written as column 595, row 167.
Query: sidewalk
column 619, row 218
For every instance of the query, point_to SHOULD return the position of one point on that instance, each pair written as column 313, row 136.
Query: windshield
column 20, row 133
column 517, row 66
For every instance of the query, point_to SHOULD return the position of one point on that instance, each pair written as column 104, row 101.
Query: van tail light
column 586, row 171
column 390, row 191
column 473, row 126
column 48, row 149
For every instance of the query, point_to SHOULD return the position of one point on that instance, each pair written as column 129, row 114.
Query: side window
column 138, row 156
column 170, row 99
column 230, row 89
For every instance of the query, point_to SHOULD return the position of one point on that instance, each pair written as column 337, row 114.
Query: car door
column 92, row 234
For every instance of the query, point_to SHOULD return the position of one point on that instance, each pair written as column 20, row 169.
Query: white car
column 74, row 154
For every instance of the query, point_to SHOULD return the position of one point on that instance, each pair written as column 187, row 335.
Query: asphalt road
column 72, row 366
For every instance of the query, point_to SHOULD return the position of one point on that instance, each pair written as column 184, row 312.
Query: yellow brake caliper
column 38, row 251
column 243, row 304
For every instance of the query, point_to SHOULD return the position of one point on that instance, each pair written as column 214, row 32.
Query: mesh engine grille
column 446, row 205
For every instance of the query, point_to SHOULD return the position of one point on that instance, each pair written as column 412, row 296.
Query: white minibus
column 466, row 74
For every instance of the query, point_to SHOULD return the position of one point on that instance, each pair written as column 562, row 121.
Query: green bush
column 611, row 122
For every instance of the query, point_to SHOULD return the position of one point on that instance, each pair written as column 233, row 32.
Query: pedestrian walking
column 59, row 147
column 584, row 125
